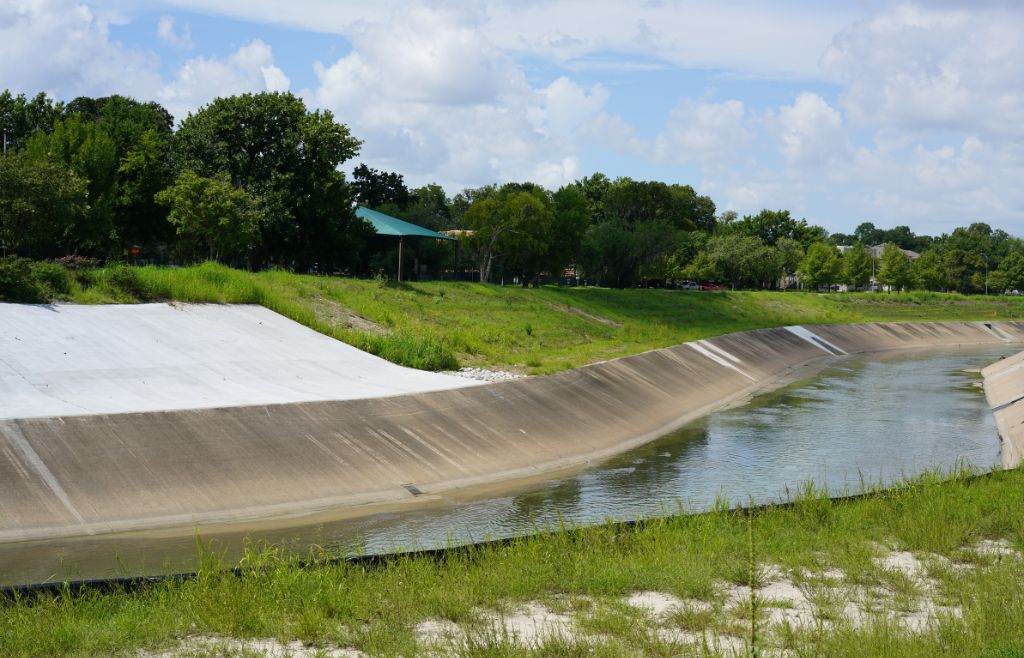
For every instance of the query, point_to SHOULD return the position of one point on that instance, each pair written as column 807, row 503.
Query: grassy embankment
column 954, row 600
column 441, row 325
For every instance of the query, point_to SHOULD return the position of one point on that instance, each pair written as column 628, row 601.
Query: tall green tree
column 21, row 117
column 929, row 271
column 894, row 268
column 527, row 244
column 375, row 189
column 220, row 218
column 89, row 152
column 857, row 266
column 42, row 203
column 735, row 257
column 821, row 265
column 569, row 222
column 769, row 226
column 1012, row 268
column 288, row 158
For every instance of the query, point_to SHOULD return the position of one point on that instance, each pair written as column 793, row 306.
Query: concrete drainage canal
column 748, row 417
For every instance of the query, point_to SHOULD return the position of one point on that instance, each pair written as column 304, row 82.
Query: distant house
column 876, row 252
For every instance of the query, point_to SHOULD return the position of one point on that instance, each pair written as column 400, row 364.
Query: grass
column 376, row 607
column 441, row 325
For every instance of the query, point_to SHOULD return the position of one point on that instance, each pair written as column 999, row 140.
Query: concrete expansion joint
column 1007, row 404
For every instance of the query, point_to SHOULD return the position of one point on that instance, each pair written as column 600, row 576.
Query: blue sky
column 842, row 112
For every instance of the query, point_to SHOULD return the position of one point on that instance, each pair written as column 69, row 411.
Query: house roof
column 388, row 225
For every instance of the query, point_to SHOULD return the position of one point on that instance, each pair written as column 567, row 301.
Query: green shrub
column 51, row 279
column 125, row 280
column 17, row 283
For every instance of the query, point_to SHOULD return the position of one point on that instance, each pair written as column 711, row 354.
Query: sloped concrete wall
column 74, row 475
column 1004, row 388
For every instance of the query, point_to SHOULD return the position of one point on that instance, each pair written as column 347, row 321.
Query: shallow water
column 861, row 422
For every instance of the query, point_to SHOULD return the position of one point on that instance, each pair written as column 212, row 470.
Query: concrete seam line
column 717, row 359
column 32, row 458
column 815, row 339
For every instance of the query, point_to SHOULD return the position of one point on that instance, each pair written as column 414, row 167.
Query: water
column 868, row 420
column 860, row 423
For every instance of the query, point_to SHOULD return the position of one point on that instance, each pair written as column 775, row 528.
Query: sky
column 839, row 111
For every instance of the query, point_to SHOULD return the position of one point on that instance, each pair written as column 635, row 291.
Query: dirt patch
column 573, row 310
column 484, row 375
column 339, row 315
column 527, row 625
column 209, row 645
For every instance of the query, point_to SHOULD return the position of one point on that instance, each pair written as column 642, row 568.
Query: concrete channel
column 68, row 475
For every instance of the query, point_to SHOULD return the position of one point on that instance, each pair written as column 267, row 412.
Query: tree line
column 254, row 181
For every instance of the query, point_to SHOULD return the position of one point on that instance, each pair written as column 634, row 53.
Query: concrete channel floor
column 71, row 360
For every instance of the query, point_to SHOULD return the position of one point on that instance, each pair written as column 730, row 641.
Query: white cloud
column 166, row 33
column 63, row 47
column 435, row 100
column 810, row 132
column 948, row 186
column 919, row 69
column 702, row 132
column 747, row 35
column 435, row 56
column 199, row 80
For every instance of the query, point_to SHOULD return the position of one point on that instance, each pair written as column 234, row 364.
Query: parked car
column 689, row 285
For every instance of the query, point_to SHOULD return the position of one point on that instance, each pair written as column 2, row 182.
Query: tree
column 1012, row 268
column 374, row 188
column 821, row 265
column 929, row 271
column 701, row 268
column 41, row 201
column 20, row 118
column 635, row 202
column 288, row 158
column 791, row 253
column 220, row 217
column 867, row 234
column 569, row 223
column 769, row 226
column 894, row 270
column 609, row 253
column 734, row 256
column 857, row 266
column 141, row 133
column 997, row 282
column 527, row 242
column 90, row 153
column 483, row 218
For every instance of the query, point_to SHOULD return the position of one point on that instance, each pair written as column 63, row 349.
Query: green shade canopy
column 388, row 225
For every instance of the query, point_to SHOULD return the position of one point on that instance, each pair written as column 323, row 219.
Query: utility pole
column 986, row 275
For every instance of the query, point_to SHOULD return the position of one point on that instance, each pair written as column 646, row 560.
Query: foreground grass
column 440, row 325
column 376, row 608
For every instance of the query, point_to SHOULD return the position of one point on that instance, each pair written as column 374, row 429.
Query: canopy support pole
column 401, row 241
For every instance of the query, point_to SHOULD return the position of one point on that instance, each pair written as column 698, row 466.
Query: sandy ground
column 795, row 600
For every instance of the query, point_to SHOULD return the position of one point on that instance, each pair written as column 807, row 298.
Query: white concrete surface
column 69, row 360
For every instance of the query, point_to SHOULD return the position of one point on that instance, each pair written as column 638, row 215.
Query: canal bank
column 177, row 470
column 1004, row 388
